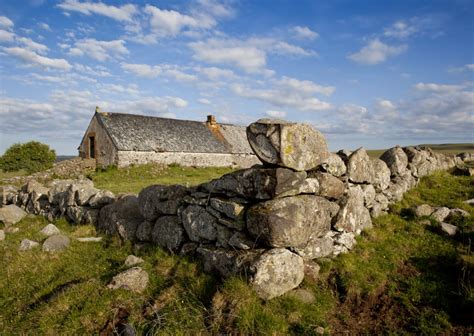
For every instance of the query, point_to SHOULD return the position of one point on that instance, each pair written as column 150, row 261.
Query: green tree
column 32, row 156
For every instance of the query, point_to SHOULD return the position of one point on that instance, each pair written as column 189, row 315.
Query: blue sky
column 365, row 73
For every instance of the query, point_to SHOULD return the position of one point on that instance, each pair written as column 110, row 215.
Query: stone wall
column 270, row 222
column 127, row 158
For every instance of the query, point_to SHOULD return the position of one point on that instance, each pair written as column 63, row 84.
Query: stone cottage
column 123, row 139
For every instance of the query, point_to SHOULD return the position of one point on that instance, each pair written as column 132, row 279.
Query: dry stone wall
column 270, row 222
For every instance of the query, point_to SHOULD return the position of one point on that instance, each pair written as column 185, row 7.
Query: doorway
column 92, row 147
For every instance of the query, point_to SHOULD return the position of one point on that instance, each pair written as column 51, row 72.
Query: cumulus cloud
column 99, row 50
column 32, row 58
column 152, row 71
column 305, row 86
column 6, row 22
column 32, row 45
column 119, row 13
column 302, row 32
column 376, row 52
column 170, row 23
column 6, row 36
column 142, row 70
column 276, row 114
column 44, row 26
column 400, row 29
column 215, row 74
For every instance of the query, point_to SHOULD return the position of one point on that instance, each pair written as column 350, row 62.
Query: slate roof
column 130, row 132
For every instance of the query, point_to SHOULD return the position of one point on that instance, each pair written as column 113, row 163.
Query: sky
column 364, row 73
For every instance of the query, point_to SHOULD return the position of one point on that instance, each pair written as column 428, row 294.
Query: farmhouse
column 124, row 139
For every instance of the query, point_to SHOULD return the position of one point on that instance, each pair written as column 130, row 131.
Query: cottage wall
column 127, row 158
column 105, row 151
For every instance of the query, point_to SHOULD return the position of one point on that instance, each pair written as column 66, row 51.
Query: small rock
column 56, row 243
column 134, row 279
column 319, row 330
column 470, row 201
column 440, row 214
column 27, row 244
column 311, row 270
column 11, row 214
column 449, row 229
column 89, row 239
column 50, row 230
column 2, row 235
column 133, row 261
column 423, row 210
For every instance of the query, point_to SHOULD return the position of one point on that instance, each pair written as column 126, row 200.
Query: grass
column 6, row 175
column 403, row 277
column 135, row 178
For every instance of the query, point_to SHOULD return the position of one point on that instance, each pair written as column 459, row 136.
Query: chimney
column 97, row 109
column 211, row 120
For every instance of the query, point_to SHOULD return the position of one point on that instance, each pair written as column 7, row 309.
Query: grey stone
column 89, row 239
column 449, row 229
column 440, row 214
column 90, row 216
column 423, row 210
column 144, row 231
column 56, row 243
column 257, row 183
column 368, row 191
column 311, row 270
column 319, row 247
column 27, row 244
column 11, row 214
column 276, row 272
column 158, row 200
column 469, row 201
column 223, row 236
column 334, row 165
column 380, row 175
column 133, row 261
column 396, row 160
column 353, row 216
column 11, row 229
column 84, row 194
column 101, row 199
column 359, row 167
column 285, row 222
column 199, row 224
column 121, row 217
column 296, row 146
column 302, row 295
column 2, row 235
column 380, row 205
column 50, row 230
column 7, row 194
column 168, row 233
column 458, row 213
column 230, row 209
column 188, row 249
column 240, row 241
column 329, row 186
column 134, row 279
column 309, row 186
column 34, row 186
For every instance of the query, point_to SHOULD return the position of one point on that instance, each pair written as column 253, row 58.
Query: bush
column 32, row 156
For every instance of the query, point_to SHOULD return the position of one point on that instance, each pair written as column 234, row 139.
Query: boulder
column 7, row 194
column 353, row 216
column 329, row 186
column 84, row 194
column 257, row 183
column 240, row 241
column 423, row 210
column 134, row 279
column 199, row 224
column 440, row 214
column 449, row 229
column 11, row 214
column 276, row 272
column 309, row 186
column 359, row 167
column 121, row 217
column 50, row 230
column 420, row 162
column 144, row 231
column 59, row 187
column 101, row 199
column 316, row 248
column 228, row 208
column 56, row 243
column 380, row 175
column 334, row 165
column 133, row 261
column 34, row 186
column 157, row 200
column 290, row 145
column 168, row 233
column 27, row 244
column 369, row 195
column 396, row 160
column 285, row 222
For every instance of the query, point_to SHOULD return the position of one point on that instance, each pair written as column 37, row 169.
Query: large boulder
column 334, row 165
column 396, row 160
column 380, row 175
column 257, row 183
column 199, row 224
column 11, row 214
column 276, row 272
column 121, row 217
column 286, row 222
column 158, row 200
column 359, row 167
column 296, row 146
column 168, row 233
column 353, row 216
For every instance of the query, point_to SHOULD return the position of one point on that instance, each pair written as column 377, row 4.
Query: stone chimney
column 211, row 120
column 97, row 109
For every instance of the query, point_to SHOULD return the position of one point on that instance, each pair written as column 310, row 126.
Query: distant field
column 442, row 148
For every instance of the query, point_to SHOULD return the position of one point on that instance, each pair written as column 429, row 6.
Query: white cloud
column 416, row 26
column 464, row 68
column 214, row 73
column 123, row 13
column 33, row 58
column 142, row 70
column 276, row 114
column 98, row 71
column 6, row 22
column 400, row 29
column 376, row 52
column 304, row 33
column 204, row 101
column 99, row 50
column 179, row 75
column 170, row 23
column 438, row 88
column 45, row 26
column 305, row 87
column 6, row 36
column 284, row 48
column 32, row 45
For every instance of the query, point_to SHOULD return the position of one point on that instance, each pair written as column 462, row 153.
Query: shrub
column 32, row 156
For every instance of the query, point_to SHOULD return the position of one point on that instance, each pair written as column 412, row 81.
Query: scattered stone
column 368, row 191
column 359, row 167
column 168, row 233
column 334, row 165
column 134, row 279
column 311, row 270
column 90, row 239
column 27, row 244
column 440, row 214
column 11, row 214
column 276, row 272
column 303, row 295
column 423, row 210
column 133, row 261
column 50, row 230
column 396, row 160
column 2, row 235
column 56, row 243
column 291, row 145
column 449, row 229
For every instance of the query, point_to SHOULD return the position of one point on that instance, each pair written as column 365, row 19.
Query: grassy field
column 403, row 277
